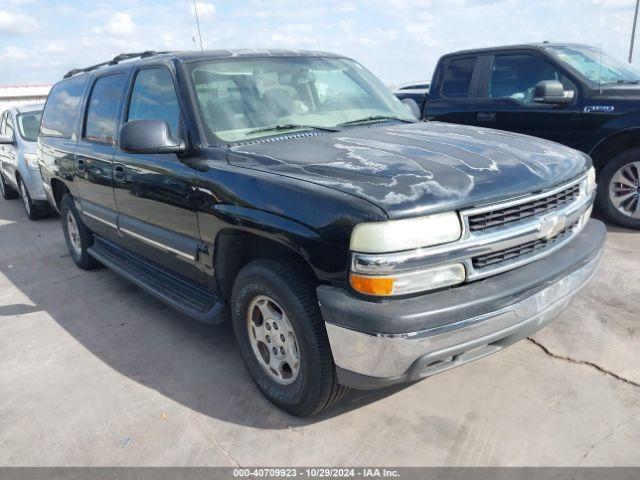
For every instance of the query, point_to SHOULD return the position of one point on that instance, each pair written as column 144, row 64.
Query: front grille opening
column 521, row 251
column 502, row 216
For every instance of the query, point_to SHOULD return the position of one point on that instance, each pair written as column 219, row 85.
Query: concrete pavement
column 95, row 372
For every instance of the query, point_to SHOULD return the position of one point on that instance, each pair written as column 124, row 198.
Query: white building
column 11, row 95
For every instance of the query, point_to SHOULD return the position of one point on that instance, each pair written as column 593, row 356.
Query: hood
column 420, row 168
column 625, row 92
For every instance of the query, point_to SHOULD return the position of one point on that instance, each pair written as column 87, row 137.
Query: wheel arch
column 235, row 248
column 58, row 189
column 614, row 144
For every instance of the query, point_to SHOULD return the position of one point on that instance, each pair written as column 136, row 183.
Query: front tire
column 34, row 212
column 618, row 196
column 78, row 237
column 282, row 337
column 6, row 191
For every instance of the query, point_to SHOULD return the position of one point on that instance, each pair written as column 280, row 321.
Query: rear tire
column 34, row 212
column 78, row 237
column 311, row 386
column 618, row 196
column 6, row 191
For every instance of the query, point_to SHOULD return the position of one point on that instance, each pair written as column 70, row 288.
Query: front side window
column 249, row 98
column 29, row 125
column 516, row 76
column 457, row 78
column 103, row 106
column 154, row 98
column 595, row 66
column 62, row 108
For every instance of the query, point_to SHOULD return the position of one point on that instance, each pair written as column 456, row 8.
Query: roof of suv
column 186, row 56
column 529, row 46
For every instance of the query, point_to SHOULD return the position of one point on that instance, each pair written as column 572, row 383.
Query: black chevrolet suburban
column 349, row 244
column 572, row 94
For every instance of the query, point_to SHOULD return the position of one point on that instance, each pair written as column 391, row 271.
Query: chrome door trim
column 101, row 220
column 159, row 245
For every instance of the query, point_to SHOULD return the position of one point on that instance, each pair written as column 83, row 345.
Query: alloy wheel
column 273, row 340
column 25, row 198
column 74, row 233
column 624, row 190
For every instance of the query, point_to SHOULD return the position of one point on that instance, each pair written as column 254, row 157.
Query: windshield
column 597, row 67
column 29, row 125
column 245, row 99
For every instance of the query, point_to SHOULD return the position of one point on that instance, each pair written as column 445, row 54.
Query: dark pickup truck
column 349, row 244
column 572, row 94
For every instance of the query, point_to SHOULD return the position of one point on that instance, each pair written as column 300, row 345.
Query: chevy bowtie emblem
column 552, row 225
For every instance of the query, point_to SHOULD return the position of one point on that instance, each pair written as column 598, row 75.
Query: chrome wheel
column 74, row 234
column 273, row 340
column 25, row 198
column 624, row 190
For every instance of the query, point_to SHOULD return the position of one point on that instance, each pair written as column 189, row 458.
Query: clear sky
column 399, row 40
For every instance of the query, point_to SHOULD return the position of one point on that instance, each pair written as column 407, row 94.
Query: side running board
column 183, row 295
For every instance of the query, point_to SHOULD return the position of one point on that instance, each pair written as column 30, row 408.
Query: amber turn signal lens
column 371, row 285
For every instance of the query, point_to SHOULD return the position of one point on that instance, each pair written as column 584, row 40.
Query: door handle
column 119, row 174
column 80, row 164
column 486, row 117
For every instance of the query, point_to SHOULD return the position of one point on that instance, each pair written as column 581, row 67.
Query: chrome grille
column 519, row 252
column 502, row 216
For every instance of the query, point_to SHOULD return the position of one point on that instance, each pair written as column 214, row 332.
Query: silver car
column 19, row 170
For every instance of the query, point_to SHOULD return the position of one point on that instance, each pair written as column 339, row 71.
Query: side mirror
column 7, row 140
column 551, row 92
column 413, row 107
column 149, row 136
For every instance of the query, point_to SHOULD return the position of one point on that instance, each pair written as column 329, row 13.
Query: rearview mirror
column 6, row 139
column 149, row 136
column 551, row 92
column 412, row 106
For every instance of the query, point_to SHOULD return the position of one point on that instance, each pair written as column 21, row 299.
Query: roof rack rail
column 114, row 61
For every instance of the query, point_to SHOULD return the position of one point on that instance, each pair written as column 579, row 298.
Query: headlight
column 591, row 181
column 380, row 251
column 398, row 235
column 31, row 160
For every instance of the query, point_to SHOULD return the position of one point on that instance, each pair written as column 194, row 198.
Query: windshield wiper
column 374, row 118
column 290, row 126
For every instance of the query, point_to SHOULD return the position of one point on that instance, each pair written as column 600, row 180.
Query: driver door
column 508, row 103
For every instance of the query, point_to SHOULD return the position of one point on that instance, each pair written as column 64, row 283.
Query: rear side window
column 63, row 106
column 154, row 98
column 457, row 78
column 102, row 109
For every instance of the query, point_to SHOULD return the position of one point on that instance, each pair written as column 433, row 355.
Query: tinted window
column 457, row 78
column 103, row 106
column 154, row 98
column 515, row 76
column 63, row 105
column 29, row 125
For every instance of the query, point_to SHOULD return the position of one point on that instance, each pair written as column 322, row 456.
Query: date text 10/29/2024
column 316, row 472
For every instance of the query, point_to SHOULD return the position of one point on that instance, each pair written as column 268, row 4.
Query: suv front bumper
column 375, row 344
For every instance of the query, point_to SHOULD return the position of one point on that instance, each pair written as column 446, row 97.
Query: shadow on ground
column 194, row 364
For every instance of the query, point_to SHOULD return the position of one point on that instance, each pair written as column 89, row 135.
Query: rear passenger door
column 459, row 82
column 10, row 152
column 155, row 193
column 94, row 154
